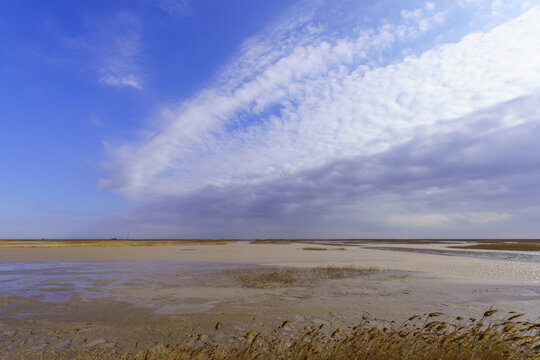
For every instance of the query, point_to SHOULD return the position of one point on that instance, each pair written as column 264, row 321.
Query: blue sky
column 240, row 118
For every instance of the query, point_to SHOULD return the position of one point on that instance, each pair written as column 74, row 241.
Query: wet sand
column 63, row 300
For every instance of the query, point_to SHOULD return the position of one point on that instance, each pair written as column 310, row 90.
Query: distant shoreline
column 486, row 244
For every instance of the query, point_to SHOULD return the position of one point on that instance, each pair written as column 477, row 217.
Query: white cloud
column 131, row 80
column 331, row 104
column 501, row 8
column 479, row 176
column 467, row 3
column 431, row 220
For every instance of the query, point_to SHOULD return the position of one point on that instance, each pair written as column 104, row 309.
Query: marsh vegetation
column 287, row 277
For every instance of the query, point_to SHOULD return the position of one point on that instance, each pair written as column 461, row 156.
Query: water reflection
column 57, row 281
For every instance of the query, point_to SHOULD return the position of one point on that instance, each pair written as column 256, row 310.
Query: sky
column 270, row 119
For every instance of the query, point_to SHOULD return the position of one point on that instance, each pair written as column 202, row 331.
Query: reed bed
column 287, row 277
column 431, row 336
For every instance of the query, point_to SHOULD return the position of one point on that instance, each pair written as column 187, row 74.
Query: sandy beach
column 62, row 300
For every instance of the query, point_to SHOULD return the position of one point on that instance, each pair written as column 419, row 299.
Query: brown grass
column 514, row 246
column 270, row 241
column 288, row 277
column 315, row 248
column 427, row 337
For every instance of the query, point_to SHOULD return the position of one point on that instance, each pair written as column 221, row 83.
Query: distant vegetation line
column 281, row 240
column 487, row 244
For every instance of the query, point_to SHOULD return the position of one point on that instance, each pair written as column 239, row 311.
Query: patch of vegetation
column 271, row 241
column 288, row 277
column 315, row 248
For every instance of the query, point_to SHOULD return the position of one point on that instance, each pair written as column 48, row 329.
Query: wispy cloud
column 311, row 122
column 175, row 8
column 114, row 45
column 123, row 80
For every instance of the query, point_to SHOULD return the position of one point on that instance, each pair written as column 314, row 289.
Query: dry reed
column 431, row 336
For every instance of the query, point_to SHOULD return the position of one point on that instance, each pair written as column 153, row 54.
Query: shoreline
column 115, row 294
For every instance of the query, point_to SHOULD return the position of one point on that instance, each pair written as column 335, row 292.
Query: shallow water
column 520, row 256
column 141, row 277
column 58, row 281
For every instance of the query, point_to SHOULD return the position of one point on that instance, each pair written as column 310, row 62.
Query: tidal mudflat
column 68, row 301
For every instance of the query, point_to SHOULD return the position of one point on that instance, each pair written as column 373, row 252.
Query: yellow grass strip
column 271, row 242
column 106, row 243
